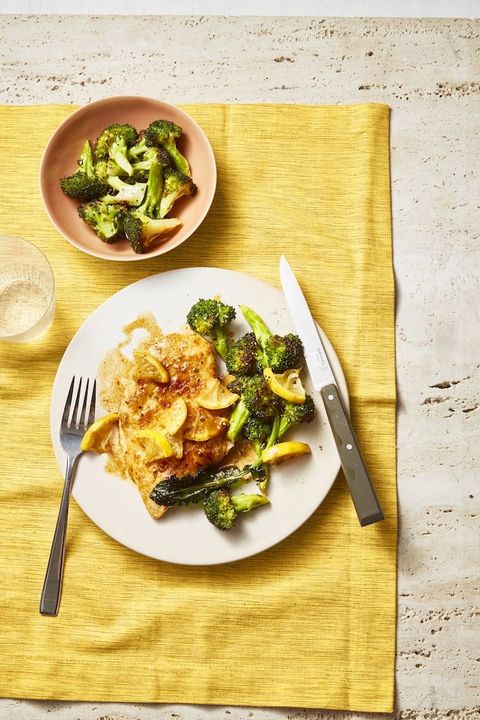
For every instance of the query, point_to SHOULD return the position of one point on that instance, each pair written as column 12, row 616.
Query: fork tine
column 68, row 403
column 73, row 421
column 81, row 419
column 91, row 414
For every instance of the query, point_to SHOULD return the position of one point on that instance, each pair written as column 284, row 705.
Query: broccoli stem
column 151, row 203
column 238, row 418
column 220, row 342
column 181, row 162
column 245, row 503
column 118, row 153
column 273, row 437
column 261, row 331
column 85, row 161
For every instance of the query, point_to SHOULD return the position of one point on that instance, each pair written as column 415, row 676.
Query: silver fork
column 72, row 430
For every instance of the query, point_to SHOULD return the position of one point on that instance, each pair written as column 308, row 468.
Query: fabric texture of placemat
column 308, row 623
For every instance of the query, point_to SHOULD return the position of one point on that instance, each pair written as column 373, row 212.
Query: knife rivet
column 330, row 397
column 349, row 447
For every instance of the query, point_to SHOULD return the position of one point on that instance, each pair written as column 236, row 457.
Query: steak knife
column 356, row 473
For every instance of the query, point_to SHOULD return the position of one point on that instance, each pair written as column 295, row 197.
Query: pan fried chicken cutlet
column 146, row 405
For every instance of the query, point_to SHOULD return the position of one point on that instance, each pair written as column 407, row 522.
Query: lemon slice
column 176, row 441
column 284, row 451
column 173, row 418
column 216, row 396
column 148, row 367
column 201, row 425
column 287, row 385
column 96, row 435
column 156, row 445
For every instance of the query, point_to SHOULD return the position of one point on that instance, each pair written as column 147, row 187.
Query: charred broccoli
column 243, row 355
column 279, row 352
column 196, row 488
column 102, row 218
column 175, row 185
column 210, row 319
column 125, row 171
column 84, row 185
column 85, row 161
column 150, row 155
column 283, row 352
column 130, row 194
column 114, row 142
column 165, row 133
column 220, row 510
column 294, row 414
column 151, row 205
column 136, row 151
column 106, row 169
column 258, row 398
column 257, row 431
column 141, row 230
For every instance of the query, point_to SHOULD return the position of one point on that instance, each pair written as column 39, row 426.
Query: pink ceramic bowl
column 63, row 149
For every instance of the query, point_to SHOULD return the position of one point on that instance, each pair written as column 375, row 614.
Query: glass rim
column 51, row 300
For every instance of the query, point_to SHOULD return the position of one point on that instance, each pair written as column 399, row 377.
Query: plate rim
column 341, row 382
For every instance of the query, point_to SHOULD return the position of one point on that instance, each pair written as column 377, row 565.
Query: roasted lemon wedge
column 201, row 424
column 284, row 451
column 156, row 445
column 148, row 367
column 216, row 396
column 173, row 418
column 97, row 433
column 287, row 385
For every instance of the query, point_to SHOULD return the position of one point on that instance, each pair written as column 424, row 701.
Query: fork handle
column 52, row 585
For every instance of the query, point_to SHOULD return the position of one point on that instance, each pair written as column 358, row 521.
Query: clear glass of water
column 27, row 291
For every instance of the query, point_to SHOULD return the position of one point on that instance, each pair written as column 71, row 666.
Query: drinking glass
column 27, row 291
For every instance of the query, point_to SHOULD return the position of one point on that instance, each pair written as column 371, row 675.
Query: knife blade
column 354, row 467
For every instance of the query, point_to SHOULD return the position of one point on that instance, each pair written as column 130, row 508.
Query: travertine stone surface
column 428, row 71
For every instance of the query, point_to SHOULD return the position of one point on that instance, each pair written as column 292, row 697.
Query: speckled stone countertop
column 428, row 71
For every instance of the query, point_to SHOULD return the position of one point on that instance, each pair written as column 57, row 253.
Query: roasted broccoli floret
column 279, row 352
column 283, row 352
column 114, row 142
column 130, row 194
column 243, row 355
column 105, row 169
column 152, row 201
column 82, row 187
column 196, row 488
column 85, row 161
column 294, row 414
column 220, row 510
column 257, row 431
column 150, row 155
column 136, row 151
column 141, row 231
column 165, row 133
column 210, row 319
column 258, row 398
column 175, row 185
column 102, row 218
column 256, row 401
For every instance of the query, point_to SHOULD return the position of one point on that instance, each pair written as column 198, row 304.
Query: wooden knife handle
column 361, row 489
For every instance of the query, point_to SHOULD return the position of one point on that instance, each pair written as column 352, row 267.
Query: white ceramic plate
column 184, row 535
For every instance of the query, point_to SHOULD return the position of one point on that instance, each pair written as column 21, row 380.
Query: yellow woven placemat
column 310, row 622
